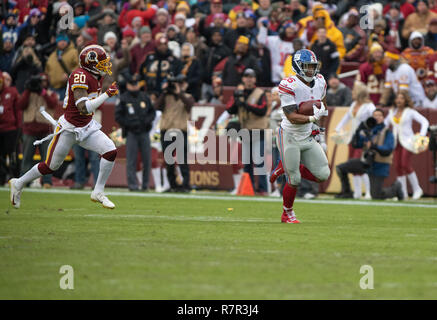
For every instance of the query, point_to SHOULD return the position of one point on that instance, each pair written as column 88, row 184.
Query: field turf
column 170, row 247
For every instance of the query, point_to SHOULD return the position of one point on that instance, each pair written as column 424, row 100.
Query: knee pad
column 110, row 155
column 44, row 169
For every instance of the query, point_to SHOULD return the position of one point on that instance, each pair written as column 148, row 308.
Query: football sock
column 288, row 195
column 165, row 179
column 366, row 182
column 412, row 178
column 28, row 177
column 306, row 174
column 403, row 181
column 357, row 186
column 104, row 172
column 156, row 173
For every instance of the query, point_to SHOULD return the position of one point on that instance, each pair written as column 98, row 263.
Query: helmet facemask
column 309, row 70
column 104, row 66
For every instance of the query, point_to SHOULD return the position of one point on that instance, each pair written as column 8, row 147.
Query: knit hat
column 162, row 11
column 243, row 39
column 129, row 33
column 109, row 35
column 183, row 6
column 180, row 15
column 375, row 47
column 62, row 37
column 89, row 34
column 145, row 29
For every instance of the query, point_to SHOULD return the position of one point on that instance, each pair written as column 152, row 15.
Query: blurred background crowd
column 199, row 48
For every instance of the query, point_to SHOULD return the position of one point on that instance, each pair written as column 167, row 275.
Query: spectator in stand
column 380, row 37
column 159, row 65
column 404, row 7
column 419, row 20
column 104, row 22
column 265, row 7
column 179, row 21
column 35, row 126
column 92, row 7
column 372, row 72
column 87, row 36
column 295, row 10
column 7, row 78
column 219, row 24
column 417, row 55
column 174, row 38
column 338, row 94
column 243, row 6
column 241, row 29
column 10, row 123
column 395, row 22
column 280, row 46
column 192, row 69
column 326, row 53
column 431, row 35
column 61, row 63
column 236, row 63
column 129, row 35
column 430, row 100
column 7, row 54
column 400, row 76
column 9, row 27
column 355, row 38
column 216, row 52
column 201, row 6
column 136, row 9
column 25, row 63
column 216, row 7
column 161, row 22
column 308, row 27
column 139, row 51
column 200, row 47
column 36, row 26
column 432, row 5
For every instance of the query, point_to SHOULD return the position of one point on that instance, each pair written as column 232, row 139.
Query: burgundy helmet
column 94, row 59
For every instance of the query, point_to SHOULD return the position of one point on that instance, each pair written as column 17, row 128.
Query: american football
column 306, row 107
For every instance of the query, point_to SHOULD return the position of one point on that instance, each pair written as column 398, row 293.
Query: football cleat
column 277, row 172
column 288, row 216
column 100, row 197
column 15, row 193
column 417, row 194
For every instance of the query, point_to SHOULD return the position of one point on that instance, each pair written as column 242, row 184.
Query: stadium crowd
column 203, row 46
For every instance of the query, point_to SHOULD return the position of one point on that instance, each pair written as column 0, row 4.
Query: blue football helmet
column 305, row 64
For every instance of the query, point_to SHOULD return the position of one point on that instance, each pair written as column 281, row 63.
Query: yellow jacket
column 54, row 69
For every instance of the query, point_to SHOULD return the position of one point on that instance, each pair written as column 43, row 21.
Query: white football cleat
column 15, row 193
column 367, row 196
column 417, row 194
column 100, row 197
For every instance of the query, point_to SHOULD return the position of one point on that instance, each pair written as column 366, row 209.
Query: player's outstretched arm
column 81, row 99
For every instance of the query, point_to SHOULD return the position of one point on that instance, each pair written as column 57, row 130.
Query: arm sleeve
column 346, row 118
column 424, row 123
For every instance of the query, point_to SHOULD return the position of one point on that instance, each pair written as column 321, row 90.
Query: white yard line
column 233, row 198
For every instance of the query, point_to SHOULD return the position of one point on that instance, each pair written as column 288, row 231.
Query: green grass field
column 170, row 247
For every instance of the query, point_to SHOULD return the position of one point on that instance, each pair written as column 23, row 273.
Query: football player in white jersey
column 401, row 76
column 301, row 155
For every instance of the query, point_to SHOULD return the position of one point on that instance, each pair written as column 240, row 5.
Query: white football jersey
column 293, row 91
column 405, row 78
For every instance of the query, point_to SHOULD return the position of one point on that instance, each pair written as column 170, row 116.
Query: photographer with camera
column 250, row 104
column 378, row 143
column 35, row 126
column 175, row 105
column 135, row 114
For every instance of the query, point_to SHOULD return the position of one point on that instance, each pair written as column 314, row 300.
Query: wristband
column 311, row 119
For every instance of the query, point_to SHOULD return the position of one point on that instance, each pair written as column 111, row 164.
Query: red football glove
column 112, row 90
